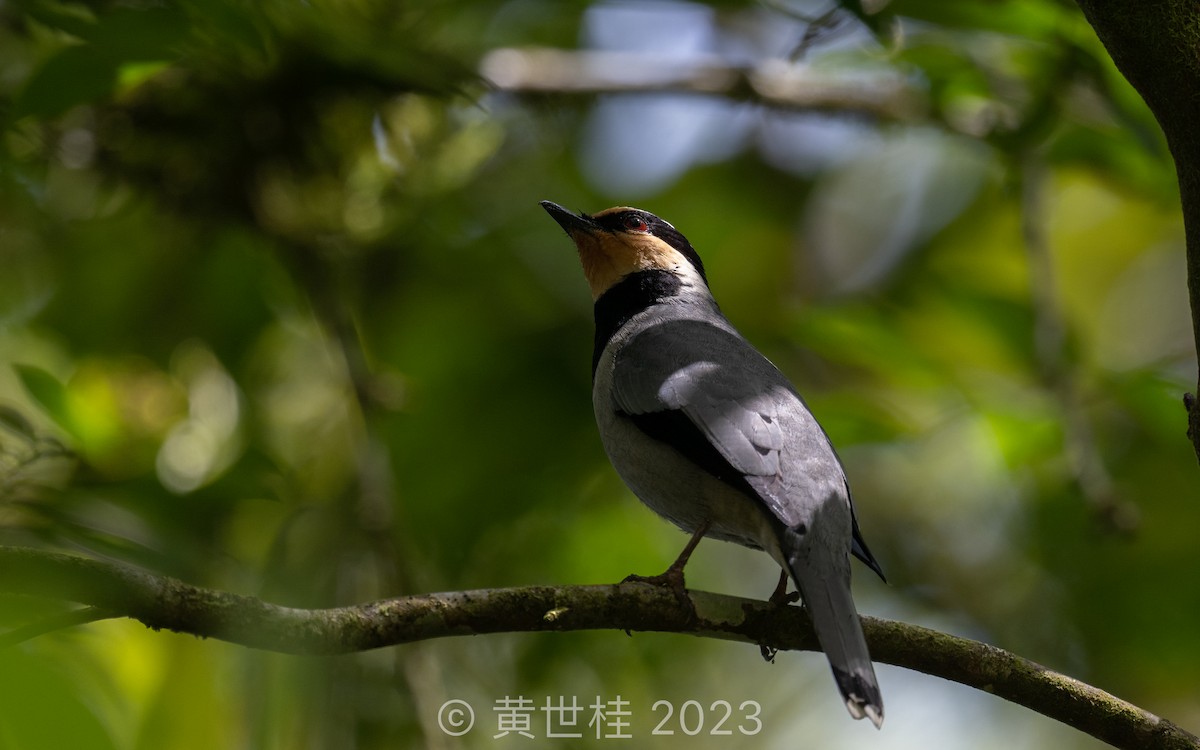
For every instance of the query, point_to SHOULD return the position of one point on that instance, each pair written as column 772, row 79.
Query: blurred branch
column 775, row 83
column 160, row 602
column 1086, row 463
column 62, row 621
column 1154, row 43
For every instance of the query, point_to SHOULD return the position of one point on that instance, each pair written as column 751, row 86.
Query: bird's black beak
column 571, row 222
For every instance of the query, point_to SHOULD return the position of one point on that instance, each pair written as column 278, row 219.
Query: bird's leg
column 781, row 596
column 672, row 577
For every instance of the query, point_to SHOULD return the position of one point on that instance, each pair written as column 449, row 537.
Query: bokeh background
column 280, row 315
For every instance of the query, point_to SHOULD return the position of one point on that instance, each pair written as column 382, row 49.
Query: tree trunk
column 1156, row 45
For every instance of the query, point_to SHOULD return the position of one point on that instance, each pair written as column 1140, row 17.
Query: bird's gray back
column 686, row 358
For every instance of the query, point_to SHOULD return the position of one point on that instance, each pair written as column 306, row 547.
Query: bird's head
column 621, row 241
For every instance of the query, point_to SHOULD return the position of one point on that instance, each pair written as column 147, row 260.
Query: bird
column 710, row 435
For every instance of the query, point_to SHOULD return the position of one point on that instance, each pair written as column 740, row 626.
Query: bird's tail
column 826, row 595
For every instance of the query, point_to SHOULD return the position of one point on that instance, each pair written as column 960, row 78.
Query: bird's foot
column 781, row 596
column 672, row 577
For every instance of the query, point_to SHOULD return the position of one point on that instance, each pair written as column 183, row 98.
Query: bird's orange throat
column 607, row 259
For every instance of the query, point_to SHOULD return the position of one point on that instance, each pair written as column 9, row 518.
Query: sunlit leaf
column 1032, row 18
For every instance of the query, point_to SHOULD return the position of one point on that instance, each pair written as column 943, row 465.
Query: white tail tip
column 859, row 710
column 875, row 715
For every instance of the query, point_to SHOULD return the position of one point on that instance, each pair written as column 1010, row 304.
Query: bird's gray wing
column 739, row 403
column 681, row 373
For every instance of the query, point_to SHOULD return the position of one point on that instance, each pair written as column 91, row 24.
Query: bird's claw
column 785, row 599
column 781, row 596
column 672, row 577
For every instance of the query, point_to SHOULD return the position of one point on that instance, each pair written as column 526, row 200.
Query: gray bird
column 710, row 435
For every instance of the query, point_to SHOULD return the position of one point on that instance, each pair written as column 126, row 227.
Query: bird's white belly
column 680, row 491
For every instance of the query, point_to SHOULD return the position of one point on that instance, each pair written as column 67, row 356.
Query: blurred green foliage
column 279, row 314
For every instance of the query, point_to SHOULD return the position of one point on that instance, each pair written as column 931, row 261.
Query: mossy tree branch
column 166, row 603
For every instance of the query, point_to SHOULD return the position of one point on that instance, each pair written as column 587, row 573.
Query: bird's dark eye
column 635, row 223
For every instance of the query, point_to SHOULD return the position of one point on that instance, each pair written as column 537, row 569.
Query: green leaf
column 50, row 394
column 128, row 35
column 74, row 19
column 1029, row 18
column 75, row 75
column 82, row 73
